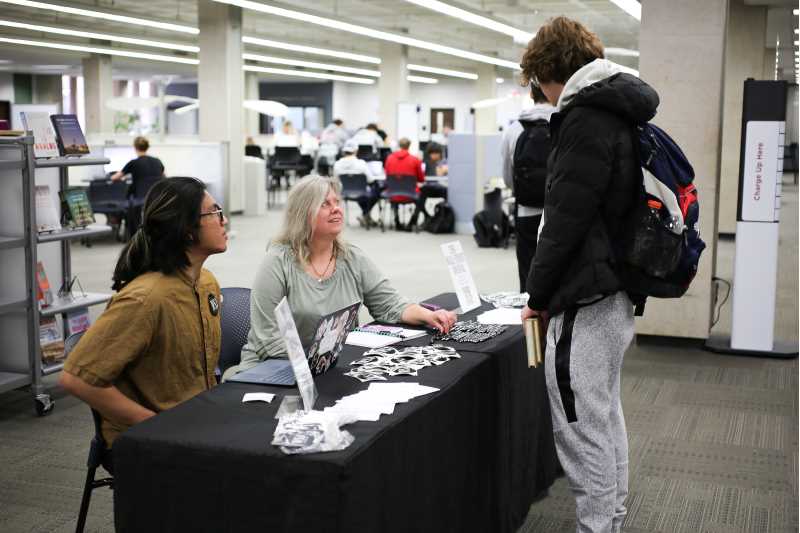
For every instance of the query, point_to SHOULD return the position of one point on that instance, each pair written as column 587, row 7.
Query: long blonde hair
column 302, row 207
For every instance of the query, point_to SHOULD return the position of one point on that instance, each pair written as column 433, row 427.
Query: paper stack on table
column 379, row 399
column 501, row 315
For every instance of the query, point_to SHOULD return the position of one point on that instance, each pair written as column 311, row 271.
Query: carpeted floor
column 713, row 439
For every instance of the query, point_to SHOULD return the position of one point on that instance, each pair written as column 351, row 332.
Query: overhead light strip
column 519, row 35
column 103, row 15
column 443, row 71
column 306, row 74
column 311, row 64
column 101, row 50
column 368, row 32
column 101, row 36
column 631, row 7
column 422, row 79
column 311, row 50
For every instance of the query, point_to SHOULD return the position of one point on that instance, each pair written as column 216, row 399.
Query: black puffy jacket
column 591, row 182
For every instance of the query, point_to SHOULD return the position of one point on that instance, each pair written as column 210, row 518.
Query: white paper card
column 258, row 397
column 464, row 285
column 501, row 315
column 297, row 356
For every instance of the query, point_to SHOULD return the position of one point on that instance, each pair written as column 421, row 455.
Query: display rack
column 21, row 358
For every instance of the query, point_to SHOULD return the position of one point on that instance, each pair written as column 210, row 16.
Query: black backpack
column 530, row 162
column 443, row 219
column 492, row 228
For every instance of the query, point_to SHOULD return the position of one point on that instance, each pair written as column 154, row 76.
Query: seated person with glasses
column 319, row 273
column 157, row 343
column 435, row 165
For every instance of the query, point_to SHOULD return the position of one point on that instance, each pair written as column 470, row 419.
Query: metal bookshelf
column 21, row 359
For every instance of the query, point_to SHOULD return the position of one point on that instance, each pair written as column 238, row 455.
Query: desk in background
column 471, row 457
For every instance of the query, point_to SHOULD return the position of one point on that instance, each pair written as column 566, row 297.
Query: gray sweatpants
column 583, row 361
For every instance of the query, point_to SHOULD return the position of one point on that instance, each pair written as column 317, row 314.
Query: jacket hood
column 537, row 112
column 606, row 85
column 401, row 154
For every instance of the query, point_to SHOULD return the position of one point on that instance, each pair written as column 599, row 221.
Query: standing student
column 525, row 147
column 157, row 343
column 140, row 169
column 593, row 176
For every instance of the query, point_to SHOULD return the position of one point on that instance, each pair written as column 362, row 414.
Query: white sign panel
column 297, row 356
column 466, row 291
column 762, row 171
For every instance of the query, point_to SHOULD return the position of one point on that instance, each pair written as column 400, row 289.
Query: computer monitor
column 118, row 156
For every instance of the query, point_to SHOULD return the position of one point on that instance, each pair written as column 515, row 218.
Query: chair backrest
column 287, row 154
column 400, row 185
column 366, row 152
column 142, row 186
column 235, row 318
column 353, row 185
column 385, row 151
column 107, row 191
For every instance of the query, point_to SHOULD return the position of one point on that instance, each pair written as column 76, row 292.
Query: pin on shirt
column 213, row 305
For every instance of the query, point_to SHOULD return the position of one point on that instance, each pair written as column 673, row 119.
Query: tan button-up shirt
column 157, row 341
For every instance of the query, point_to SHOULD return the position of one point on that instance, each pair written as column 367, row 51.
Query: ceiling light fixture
column 103, row 15
column 443, row 71
column 422, row 79
column 520, row 36
column 625, row 52
column 101, row 36
column 631, row 7
column 311, row 64
column 306, row 74
column 100, row 50
column 311, row 50
column 368, row 32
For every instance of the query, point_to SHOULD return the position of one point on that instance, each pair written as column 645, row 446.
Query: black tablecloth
column 470, row 457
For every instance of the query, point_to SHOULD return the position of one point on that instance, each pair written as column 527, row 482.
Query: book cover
column 78, row 320
column 47, row 216
column 43, row 293
column 77, row 207
column 44, row 137
column 51, row 340
column 69, row 135
column 532, row 328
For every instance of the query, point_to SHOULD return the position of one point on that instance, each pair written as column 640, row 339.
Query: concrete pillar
column 98, row 88
column 486, row 88
column 744, row 58
column 392, row 85
column 682, row 45
column 252, row 118
column 221, row 90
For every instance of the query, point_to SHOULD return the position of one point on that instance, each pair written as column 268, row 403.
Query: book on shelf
column 78, row 320
column 44, row 137
column 12, row 133
column 534, row 341
column 47, row 217
column 44, row 295
column 51, row 340
column 69, row 135
column 76, row 207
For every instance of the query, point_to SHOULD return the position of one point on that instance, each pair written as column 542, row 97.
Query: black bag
column 443, row 219
column 530, row 162
column 492, row 228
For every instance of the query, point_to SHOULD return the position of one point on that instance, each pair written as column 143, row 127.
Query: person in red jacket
column 402, row 163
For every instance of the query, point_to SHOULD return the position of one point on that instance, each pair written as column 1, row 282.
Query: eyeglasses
column 217, row 211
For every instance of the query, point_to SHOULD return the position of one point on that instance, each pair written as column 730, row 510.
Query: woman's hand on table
column 441, row 320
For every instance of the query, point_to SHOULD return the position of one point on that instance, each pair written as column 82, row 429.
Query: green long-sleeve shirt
column 356, row 278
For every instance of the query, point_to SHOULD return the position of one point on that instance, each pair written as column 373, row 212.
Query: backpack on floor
column 530, row 162
column 443, row 219
column 492, row 228
column 662, row 248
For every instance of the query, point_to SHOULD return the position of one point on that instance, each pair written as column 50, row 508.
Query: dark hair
column 371, row 126
column 141, row 143
column 559, row 49
column 338, row 121
column 170, row 224
column 537, row 94
column 433, row 148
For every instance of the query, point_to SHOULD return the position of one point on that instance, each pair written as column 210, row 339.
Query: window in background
column 303, row 118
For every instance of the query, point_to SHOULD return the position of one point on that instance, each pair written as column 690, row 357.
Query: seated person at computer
column 435, row 167
column 402, row 163
column 157, row 343
column 141, row 168
column 319, row 273
column 351, row 164
column 252, row 149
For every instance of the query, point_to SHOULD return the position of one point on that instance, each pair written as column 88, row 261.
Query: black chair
column 110, row 198
column 286, row 159
column 400, row 190
column 140, row 188
column 367, row 152
column 354, row 188
column 99, row 454
column 235, row 322
column 385, row 151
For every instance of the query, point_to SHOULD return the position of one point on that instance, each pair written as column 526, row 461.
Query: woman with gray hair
column 318, row 274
